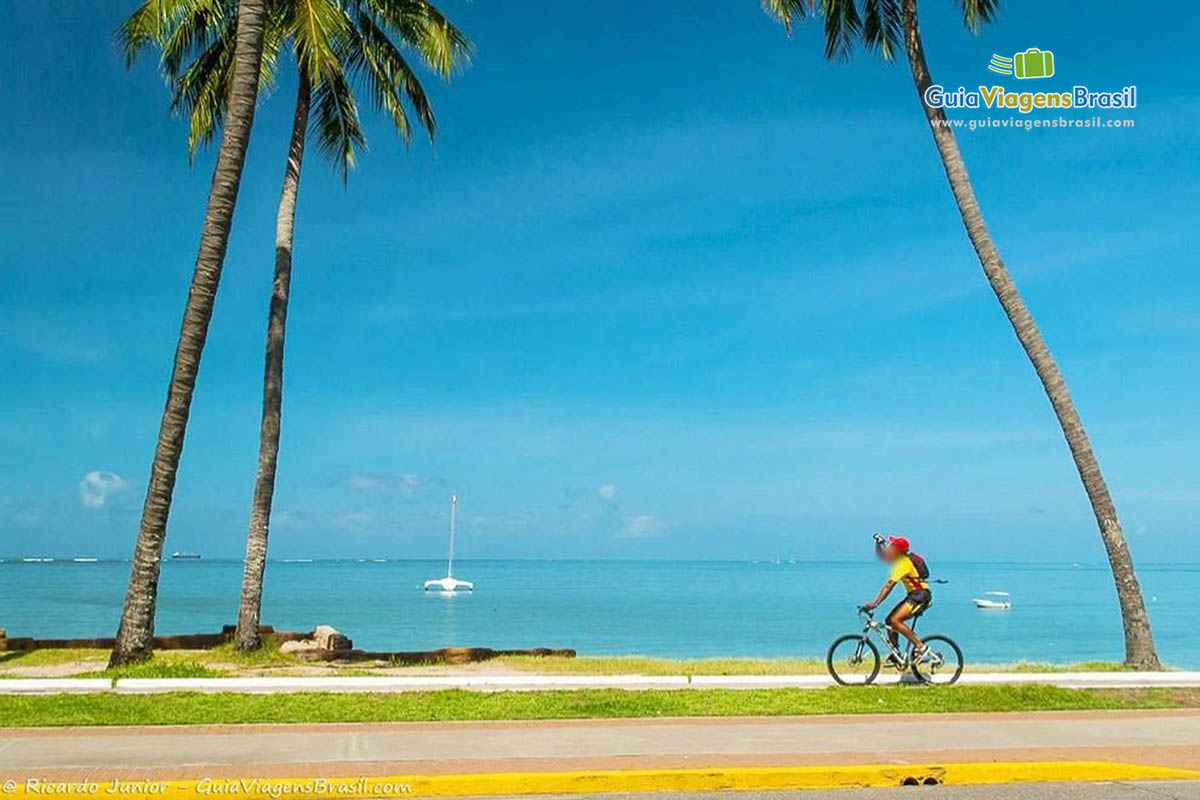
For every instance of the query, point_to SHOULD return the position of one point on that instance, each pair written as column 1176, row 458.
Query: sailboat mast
column 450, row 562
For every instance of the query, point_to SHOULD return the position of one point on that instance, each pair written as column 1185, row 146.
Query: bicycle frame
column 880, row 629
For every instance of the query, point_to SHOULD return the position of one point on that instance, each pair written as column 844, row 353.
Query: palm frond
column 788, row 12
column 320, row 29
column 882, row 26
column 275, row 36
column 392, row 81
column 140, row 30
column 336, row 123
column 843, row 27
column 194, row 30
column 201, row 92
column 420, row 25
column 149, row 25
column 977, row 13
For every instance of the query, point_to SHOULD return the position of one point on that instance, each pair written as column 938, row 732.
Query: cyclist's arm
column 883, row 593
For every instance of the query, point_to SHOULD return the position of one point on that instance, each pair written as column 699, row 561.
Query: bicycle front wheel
column 853, row 660
column 944, row 663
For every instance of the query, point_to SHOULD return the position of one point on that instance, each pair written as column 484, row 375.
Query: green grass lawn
column 222, row 661
column 157, row 668
column 49, row 657
column 194, row 708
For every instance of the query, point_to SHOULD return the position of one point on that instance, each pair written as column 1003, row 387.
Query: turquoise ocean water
column 1061, row 612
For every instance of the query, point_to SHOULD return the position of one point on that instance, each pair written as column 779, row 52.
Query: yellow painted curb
column 648, row 780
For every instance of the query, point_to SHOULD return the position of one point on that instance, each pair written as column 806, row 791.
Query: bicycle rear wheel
column 853, row 660
column 944, row 664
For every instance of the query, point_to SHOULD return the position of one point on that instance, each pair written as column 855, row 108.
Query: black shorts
column 917, row 602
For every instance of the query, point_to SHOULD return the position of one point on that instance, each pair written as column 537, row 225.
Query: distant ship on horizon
column 184, row 555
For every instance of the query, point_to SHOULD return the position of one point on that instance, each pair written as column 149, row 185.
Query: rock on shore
column 325, row 638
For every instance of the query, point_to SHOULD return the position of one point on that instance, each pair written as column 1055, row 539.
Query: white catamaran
column 450, row 584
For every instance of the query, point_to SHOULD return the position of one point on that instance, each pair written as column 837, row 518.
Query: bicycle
column 853, row 659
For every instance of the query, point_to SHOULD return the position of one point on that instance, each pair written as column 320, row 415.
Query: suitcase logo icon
column 1033, row 63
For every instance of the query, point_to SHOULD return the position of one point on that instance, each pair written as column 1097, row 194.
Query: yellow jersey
column 904, row 572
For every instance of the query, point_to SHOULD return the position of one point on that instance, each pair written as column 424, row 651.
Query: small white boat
column 993, row 600
column 450, row 584
column 85, row 560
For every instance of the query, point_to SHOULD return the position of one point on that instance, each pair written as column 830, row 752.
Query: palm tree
column 335, row 43
column 880, row 26
column 136, row 632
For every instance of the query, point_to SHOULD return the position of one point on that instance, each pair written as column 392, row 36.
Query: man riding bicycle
column 908, row 569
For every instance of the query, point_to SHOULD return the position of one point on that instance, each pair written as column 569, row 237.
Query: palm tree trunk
column 136, row 632
column 1139, row 642
column 249, row 612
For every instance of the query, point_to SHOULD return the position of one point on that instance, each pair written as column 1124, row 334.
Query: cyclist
column 895, row 551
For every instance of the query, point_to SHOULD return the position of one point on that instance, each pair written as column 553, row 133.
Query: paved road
column 1162, row 738
column 1149, row 790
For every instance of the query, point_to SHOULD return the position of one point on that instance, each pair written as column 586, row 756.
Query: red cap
column 898, row 543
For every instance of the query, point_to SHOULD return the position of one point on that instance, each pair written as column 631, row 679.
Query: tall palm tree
column 880, row 26
column 335, row 43
column 136, row 632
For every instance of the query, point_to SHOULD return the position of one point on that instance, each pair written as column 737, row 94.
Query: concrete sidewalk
column 1161, row 738
column 500, row 683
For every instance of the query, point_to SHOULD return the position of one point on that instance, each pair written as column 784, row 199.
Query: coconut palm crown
column 875, row 24
column 337, row 44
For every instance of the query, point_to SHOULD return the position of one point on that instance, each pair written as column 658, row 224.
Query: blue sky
column 669, row 285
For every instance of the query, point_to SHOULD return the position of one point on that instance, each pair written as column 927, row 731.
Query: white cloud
column 362, row 480
column 493, row 522
column 640, row 527
column 28, row 517
column 610, row 506
column 407, row 484
column 353, row 519
column 98, row 486
column 627, row 526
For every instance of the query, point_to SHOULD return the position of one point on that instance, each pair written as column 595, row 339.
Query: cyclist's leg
column 892, row 634
column 896, row 621
column 894, row 658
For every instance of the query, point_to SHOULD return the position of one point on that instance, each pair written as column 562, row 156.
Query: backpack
column 919, row 564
